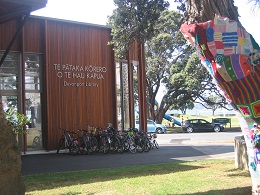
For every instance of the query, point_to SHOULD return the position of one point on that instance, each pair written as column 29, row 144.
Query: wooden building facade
column 61, row 74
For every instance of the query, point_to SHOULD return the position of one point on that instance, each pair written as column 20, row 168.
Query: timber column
column 142, row 88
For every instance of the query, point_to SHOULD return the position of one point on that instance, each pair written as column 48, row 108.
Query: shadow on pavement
column 51, row 163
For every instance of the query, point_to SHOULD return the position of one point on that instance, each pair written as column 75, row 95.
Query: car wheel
column 159, row 130
column 217, row 128
column 190, row 129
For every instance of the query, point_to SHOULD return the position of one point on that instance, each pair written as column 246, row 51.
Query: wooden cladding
column 7, row 31
column 80, row 72
column 34, row 36
column 79, row 81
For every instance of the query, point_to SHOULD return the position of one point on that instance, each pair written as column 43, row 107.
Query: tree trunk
column 216, row 38
column 10, row 163
column 202, row 11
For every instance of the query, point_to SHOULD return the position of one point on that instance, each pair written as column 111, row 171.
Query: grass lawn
column 197, row 177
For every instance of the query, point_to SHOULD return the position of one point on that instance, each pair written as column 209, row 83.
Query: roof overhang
column 10, row 9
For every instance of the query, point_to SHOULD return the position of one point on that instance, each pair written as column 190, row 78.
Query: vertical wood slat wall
column 77, row 44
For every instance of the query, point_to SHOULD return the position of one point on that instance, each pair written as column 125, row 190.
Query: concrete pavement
column 172, row 148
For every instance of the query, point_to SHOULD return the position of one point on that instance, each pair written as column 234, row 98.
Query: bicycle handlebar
column 67, row 131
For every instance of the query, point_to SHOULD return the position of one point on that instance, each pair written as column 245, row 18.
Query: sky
column 96, row 12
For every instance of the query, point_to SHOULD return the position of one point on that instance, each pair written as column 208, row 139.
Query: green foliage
column 17, row 120
column 181, row 5
column 185, row 82
column 133, row 20
column 215, row 101
column 165, row 47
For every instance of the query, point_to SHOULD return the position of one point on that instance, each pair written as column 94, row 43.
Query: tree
column 184, row 85
column 161, row 50
column 133, row 20
column 183, row 106
column 169, row 62
column 212, row 104
column 214, row 17
column 202, row 11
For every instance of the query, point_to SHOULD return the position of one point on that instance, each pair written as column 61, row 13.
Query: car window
column 203, row 122
column 194, row 121
column 150, row 122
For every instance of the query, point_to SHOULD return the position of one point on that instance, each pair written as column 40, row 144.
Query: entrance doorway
column 11, row 89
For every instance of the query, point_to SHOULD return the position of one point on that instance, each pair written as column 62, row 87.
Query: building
column 64, row 74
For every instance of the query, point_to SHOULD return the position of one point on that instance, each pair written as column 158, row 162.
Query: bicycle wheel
column 36, row 141
column 74, row 147
column 126, row 144
column 120, row 147
column 139, row 145
column 155, row 143
column 103, row 145
column 93, row 144
column 82, row 146
column 114, row 145
column 147, row 145
column 132, row 146
column 61, row 145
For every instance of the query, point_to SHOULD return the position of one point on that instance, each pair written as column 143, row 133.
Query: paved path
column 171, row 149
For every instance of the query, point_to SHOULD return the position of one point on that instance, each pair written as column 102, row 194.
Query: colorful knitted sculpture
column 232, row 57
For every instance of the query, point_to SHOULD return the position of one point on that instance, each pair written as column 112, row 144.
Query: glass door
column 11, row 94
column 33, row 64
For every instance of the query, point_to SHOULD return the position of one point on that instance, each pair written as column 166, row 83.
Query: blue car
column 152, row 126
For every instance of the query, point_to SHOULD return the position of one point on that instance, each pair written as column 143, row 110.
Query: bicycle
column 88, row 142
column 127, row 141
column 140, row 146
column 114, row 140
column 103, row 141
column 145, row 141
column 152, row 139
column 37, row 140
column 68, row 142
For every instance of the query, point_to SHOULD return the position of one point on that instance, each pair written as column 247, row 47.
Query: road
column 198, row 138
column 173, row 147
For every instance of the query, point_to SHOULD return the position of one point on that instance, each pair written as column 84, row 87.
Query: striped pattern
column 245, row 90
column 230, row 38
column 240, row 65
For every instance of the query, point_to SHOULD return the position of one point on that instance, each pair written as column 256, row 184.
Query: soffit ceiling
column 10, row 9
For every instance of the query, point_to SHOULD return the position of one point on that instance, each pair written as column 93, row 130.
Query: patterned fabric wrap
column 226, row 45
column 232, row 57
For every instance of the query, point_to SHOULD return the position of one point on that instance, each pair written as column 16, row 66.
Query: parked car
column 152, row 126
column 193, row 125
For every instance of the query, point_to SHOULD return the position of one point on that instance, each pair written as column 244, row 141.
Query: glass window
column 8, row 102
column 9, row 71
column 122, row 94
column 32, row 71
column 33, row 63
column 150, row 122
